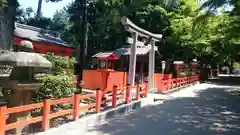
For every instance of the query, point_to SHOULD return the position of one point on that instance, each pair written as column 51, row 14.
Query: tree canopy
column 214, row 40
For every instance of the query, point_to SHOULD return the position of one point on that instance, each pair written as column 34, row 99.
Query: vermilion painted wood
column 109, row 100
column 24, row 108
column 61, row 101
column 98, row 100
column 138, row 92
column 142, row 93
column 60, row 113
column 114, row 97
column 45, row 48
column 46, row 113
column 47, row 103
column 146, row 90
column 3, row 115
column 23, row 123
column 76, row 106
column 127, row 97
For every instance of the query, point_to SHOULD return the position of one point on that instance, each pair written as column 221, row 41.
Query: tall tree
column 7, row 13
column 39, row 9
column 213, row 5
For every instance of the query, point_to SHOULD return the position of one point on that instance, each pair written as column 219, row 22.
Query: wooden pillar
column 151, row 66
column 106, row 64
column 141, row 72
column 98, row 100
column 112, row 62
column 114, row 96
column 132, row 62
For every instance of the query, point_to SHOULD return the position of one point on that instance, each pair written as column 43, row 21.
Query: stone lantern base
column 21, row 95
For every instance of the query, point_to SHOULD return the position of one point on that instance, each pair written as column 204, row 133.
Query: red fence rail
column 177, row 82
column 124, row 94
column 47, row 115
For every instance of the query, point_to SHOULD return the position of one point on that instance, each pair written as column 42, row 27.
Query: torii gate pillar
column 133, row 59
column 151, row 66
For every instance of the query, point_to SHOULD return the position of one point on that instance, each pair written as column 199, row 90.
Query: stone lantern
column 178, row 65
column 23, row 66
column 194, row 66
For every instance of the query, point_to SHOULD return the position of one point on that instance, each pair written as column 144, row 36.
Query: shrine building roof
column 38, row 35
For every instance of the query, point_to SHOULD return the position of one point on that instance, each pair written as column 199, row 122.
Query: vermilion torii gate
column 149, row 38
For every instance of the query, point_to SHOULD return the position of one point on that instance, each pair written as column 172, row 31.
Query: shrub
column 60, row 63
column 55, row 87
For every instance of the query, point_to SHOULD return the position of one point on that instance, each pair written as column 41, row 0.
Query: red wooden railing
column 117, row 94
column 47, row 115
column 178, row 82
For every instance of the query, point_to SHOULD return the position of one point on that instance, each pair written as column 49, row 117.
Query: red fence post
column 114, row 96
column 169, row 84
column 178, row 81
column 165, row 82
column 3, row 113
column 181, row 81
column 76, row 106
column 98, row 100
column 127, row 97
column 46, row 112
column 175, row 85
column 138, row 92
column 146, row 90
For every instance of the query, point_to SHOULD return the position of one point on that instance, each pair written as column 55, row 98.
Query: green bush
column 55, row 87
column 60, row 63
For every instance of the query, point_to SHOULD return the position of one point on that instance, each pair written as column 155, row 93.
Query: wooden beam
column 139, row 43
column 131, row 27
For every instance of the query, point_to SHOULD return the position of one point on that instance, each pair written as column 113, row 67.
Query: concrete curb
column 83, row 124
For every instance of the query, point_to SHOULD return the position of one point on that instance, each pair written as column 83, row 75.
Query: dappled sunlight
column 214, row 111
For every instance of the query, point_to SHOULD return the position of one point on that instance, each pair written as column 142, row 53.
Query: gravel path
column 203, row 109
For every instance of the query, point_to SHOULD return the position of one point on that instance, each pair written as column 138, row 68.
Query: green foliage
column 236, row 65
column 214, row 40
column 60, row 63
column 60, row 84
column 55, row 87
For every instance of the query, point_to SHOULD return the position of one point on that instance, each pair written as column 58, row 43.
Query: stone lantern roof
column 25, row 59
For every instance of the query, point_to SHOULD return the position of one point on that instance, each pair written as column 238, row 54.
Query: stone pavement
column 205, row 110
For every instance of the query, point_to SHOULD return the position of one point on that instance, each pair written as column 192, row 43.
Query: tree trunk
column 7, row 13
column 39, row 9
column 231, row 67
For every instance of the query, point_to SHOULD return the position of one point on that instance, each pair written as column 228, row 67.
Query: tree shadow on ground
column 214, row 111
